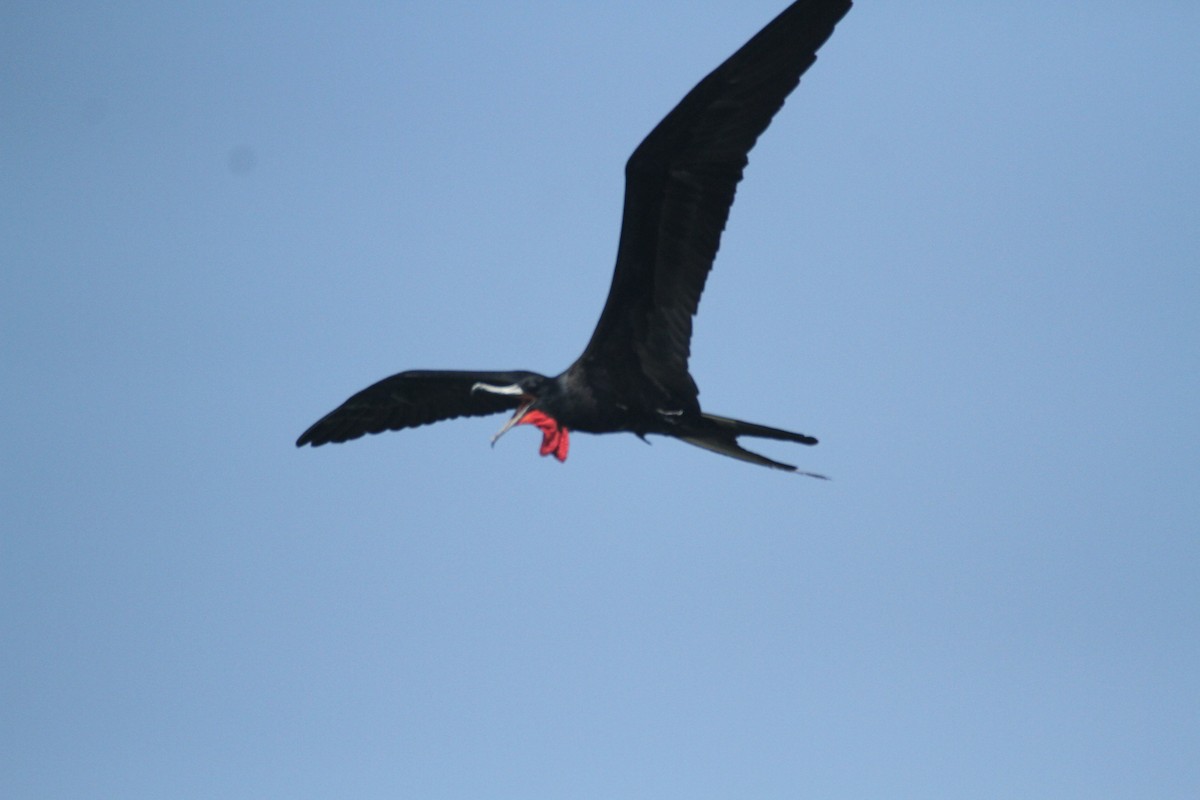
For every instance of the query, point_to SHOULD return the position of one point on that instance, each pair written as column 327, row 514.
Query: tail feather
column 739, row 428
column 721, row 437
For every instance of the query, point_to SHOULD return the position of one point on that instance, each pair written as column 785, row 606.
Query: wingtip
column 307, row 438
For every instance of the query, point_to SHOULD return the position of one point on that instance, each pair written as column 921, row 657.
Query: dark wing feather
column 679, row 186
column 409, row 399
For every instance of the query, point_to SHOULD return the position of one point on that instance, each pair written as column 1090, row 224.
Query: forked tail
column 720, row 435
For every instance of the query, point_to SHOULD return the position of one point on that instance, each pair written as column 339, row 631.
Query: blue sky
column 964, row 256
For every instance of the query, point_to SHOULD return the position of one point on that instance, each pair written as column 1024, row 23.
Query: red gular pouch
column 555, row 438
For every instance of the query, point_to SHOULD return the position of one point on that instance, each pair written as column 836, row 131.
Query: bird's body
column 633, row 375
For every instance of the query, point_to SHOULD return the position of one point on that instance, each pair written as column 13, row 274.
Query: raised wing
column 679, row 186
column 412, row 398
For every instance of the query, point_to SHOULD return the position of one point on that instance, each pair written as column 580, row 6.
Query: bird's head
column 532, row 392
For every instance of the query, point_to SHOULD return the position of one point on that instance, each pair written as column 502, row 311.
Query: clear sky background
column 965, row 256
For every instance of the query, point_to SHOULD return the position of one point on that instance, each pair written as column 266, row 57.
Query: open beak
column 515, row 419
column 526, row 402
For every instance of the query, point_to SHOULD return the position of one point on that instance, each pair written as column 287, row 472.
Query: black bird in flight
column 633, row 374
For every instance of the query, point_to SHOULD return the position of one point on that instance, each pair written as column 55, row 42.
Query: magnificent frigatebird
column 633, row 375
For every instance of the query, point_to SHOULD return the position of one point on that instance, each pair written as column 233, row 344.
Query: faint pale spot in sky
column 94, row 110
column 242, row 159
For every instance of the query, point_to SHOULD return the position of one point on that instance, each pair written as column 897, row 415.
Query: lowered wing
column 409, row 399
